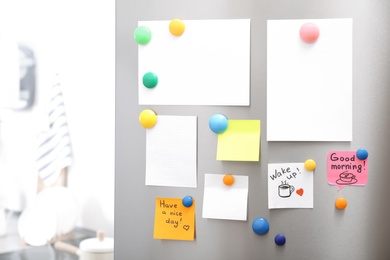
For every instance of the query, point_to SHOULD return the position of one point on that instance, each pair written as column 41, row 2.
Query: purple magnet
column 280, row 239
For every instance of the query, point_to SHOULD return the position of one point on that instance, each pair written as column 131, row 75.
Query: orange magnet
column 228, row 179
column 176, row 27
column 341, row 203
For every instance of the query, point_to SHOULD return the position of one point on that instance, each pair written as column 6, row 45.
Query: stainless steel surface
column 360, row 232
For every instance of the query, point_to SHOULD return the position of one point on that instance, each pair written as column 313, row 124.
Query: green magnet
column 142, row 35
column 150, row 80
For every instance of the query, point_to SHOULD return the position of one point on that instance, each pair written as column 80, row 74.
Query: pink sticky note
column 344, row 168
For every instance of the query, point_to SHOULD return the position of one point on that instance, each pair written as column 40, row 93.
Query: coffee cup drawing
column 346, row 178
column 285, row 190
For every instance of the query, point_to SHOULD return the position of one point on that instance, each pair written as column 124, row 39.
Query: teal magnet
column 150, row 80
column 142, row 35
column 218, row 123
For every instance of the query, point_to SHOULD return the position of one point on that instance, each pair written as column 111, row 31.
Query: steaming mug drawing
column 285, row 190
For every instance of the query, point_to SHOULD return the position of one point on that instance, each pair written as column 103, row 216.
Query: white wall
column 77, row 40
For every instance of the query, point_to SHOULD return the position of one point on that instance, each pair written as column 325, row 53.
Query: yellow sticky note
column 173, row 220
column 240, row 141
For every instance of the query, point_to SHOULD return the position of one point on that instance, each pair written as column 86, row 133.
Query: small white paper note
column 309, row 85
column 225, row 202
column 290, row 185
column 171, row 152
column 209, row 64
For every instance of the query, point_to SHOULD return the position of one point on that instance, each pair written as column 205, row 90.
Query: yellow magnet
column 310, row 165
column 228, row 179
column 176, row 27
column 341, row 203
column 147, row 118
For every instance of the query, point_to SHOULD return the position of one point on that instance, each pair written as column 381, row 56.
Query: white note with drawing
column 290, row 185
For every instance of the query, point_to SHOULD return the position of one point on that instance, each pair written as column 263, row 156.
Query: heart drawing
column 186, row 227
column 300, row 192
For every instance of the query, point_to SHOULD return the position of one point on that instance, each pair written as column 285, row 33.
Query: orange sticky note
column 173, row 220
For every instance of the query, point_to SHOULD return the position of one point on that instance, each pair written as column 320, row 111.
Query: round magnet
column 310, row 165
column 228, row 179
column 341, row 203
column 187, row 201
column 142, row 35
column 260, row 226
column 218, row 123
column 176, row 27
column 362, row 154
column 147, row 118
column 309, row 32
column 150, row 80
column 280, row 239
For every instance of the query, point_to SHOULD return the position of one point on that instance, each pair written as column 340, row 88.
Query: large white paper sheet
column 171, row 152
column 225, row 202
column 309, row 86
column 209, row 64
column 290, row 185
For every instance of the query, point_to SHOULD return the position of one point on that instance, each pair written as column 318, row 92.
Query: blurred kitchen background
column 72, row 44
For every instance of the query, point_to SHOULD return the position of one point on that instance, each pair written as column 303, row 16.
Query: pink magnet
column 309, row 32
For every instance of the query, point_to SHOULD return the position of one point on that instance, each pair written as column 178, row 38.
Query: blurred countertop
column 12, row 247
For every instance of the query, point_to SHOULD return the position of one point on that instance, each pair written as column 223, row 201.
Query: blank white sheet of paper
column 171, row 152
column 209, row 64
column 309, row 86
column 225, row 202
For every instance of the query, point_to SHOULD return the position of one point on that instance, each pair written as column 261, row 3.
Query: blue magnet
column 260, row 226
column 218, row 123
column 280, row 239
column 187, row 201
column 362, row 154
